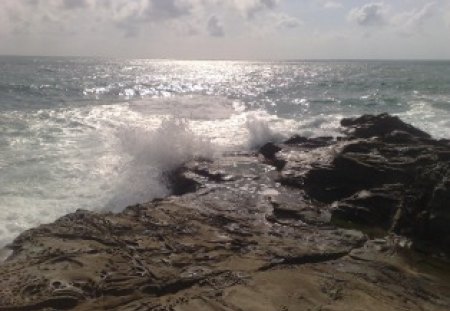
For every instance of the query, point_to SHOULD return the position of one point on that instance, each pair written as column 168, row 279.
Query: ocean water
column 98, row 134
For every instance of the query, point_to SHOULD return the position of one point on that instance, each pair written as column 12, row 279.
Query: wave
column 106, row 157
column 91, row 134
column 192, row 107
column 152, row 153
column 259, row 130
column 103, row 157
column 425, row 115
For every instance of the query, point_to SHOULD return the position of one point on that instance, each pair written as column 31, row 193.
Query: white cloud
column 282, row 20
column 274, row 23
column 371, row 14
column 168, row 9
column 32, row 2
column 408, row 22
column 70, row 4
column 447, row 15
column 215, row 27
column 251, row 8
column 133, row 17
column 247, row 27
column 330, row 4
column 411, row 22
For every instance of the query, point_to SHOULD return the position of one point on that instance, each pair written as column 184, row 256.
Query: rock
column 379, row 125
column 376, row 208
column 310, row 142
column 401, row 167
column 269, row 150
column 343, row 218
column 179, row 183
column 296, row 139
column 439, row 215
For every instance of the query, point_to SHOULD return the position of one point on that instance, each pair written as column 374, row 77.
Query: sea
column 98, row 134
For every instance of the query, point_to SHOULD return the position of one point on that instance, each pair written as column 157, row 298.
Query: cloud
column 132, row 16
column 405, row 23
column 215, row 27
column 286, row 21
column 14, row 17
column 32, row 2
column 413, row 21
column 72, row 4
column 193, row 13
column 154, row 19
column 251, row 8
column 371, row 14
column 447, row 15
column 330, row 4
column 168, row 9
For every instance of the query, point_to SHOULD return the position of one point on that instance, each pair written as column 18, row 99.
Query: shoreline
column 357, row 221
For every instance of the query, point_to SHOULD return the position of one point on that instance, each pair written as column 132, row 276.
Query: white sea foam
column 88, row 148
column 106, row 157
column 150, row 154
column 259, row 130
column 428, row 116
column 321, row 125
column 191, row 107
column 110, row 156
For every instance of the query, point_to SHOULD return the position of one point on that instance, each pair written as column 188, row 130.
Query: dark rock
column 396, row 154
column 375, row 208
column 310, row 142
column 295, row 140
column 379, row 125
column 178, row 183
column 240, row 235
column 350, row 173
column 426, row 211
column 269, row 150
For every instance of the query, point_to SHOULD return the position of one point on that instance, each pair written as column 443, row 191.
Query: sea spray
column 152, row 153
column 259, row 130
column 71, row 129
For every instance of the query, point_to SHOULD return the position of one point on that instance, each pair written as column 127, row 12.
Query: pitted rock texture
column 310, row 224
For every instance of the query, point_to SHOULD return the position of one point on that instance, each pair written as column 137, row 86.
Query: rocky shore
column 361, row 222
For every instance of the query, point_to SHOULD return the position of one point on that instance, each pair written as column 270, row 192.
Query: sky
column 227, row 29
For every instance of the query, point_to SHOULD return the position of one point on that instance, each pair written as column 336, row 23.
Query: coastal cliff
column 355, row 223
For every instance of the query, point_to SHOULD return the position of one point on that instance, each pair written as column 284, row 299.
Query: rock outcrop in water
column 358, row 223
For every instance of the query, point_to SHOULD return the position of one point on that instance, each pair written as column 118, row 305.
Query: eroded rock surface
column 310, row 224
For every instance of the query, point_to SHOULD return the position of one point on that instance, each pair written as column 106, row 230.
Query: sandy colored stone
column 245, row 233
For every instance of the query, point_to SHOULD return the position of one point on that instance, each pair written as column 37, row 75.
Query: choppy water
column 98, row 133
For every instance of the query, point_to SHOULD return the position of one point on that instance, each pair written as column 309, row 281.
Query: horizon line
column 229, row 59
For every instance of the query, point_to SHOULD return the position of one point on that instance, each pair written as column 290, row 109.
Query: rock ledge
column 358, row 223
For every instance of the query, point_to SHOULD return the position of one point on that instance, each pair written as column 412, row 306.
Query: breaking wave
column 150, row 154
column 99, row 134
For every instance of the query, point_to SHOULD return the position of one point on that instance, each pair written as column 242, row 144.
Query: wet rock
column 269, row 150
column 340, row 217
column 401, row 168
column 439, row 215
column 310, row 142
column 179, row 183
column 375, row 208
column 379, row 125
